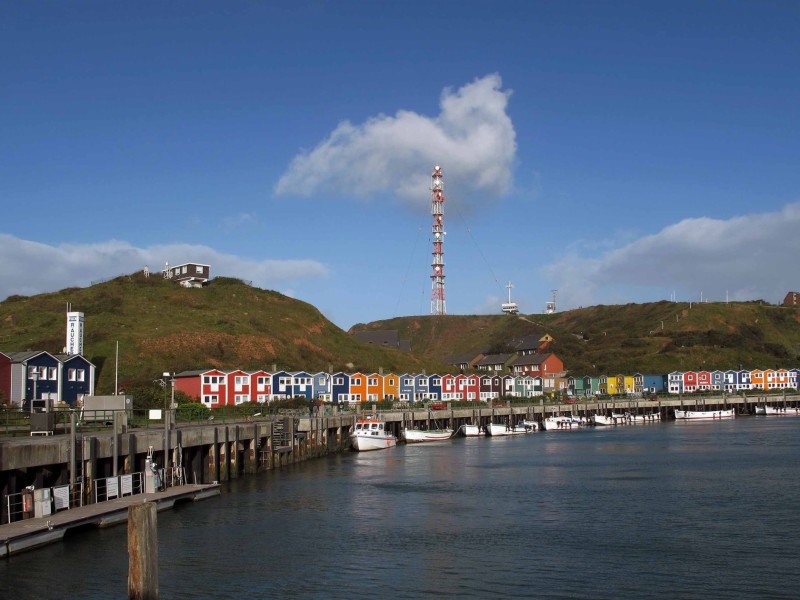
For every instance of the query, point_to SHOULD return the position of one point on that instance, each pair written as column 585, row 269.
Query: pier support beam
column 142, row 552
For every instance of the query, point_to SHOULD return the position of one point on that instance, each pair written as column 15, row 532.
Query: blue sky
column 615, row 151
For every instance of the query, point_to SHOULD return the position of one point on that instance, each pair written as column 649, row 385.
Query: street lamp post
column 35, row 378
column 171, row 376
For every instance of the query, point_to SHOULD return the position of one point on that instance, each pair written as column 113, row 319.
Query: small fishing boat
column 371, row 433
column 704, row 415
column 414, row 436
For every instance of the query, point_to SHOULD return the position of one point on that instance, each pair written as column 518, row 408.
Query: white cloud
column 234, row 223
column 32, row 267
column 749, row 257
column 472, row 138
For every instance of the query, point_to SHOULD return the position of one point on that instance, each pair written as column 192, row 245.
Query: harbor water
column 662, row 510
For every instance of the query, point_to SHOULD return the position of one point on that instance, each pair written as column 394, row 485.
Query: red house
column 538, row 365
column 260, row 386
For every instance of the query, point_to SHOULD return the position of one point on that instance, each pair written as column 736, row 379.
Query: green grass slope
column 650, row 338
column 161, row 326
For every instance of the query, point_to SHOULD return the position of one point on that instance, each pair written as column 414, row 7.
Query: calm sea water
column 672, row 510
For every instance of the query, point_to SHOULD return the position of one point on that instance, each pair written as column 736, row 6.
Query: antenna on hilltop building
column 551, row 306
column 438, row 306
column 509, row 307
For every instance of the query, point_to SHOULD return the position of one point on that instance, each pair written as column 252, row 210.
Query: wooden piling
column 142, row 552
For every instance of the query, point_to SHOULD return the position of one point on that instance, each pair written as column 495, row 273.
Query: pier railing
column 42, row 502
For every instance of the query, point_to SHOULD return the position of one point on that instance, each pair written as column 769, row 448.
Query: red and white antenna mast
column 438, row 306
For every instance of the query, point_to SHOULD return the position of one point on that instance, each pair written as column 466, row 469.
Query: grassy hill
column 161, row 326
column 651, row 338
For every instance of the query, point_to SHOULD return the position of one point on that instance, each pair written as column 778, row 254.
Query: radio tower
column 438, row 306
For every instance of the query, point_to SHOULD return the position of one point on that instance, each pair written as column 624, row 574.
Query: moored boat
column 562, row 423
column 604, row 420
column 779, row 410
column 371, row 434
column 704, row 415
column 534, row 425
column 501, row 429
column 414, row 436
column 472, row 430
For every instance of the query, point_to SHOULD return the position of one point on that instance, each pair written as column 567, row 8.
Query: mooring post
column 142, row 552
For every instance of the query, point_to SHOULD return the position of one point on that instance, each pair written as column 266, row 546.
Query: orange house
column 358, row 387
column 391, row 386
column 374, row 387
column 757, row 380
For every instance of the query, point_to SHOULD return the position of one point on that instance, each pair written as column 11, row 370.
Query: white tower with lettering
column 74, row 333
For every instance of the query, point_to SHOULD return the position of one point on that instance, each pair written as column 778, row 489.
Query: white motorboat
column 473, row 430
column 604, row 420
column 371, row 434
column 500, row 429
column 562, row 423
column 760, row 410
column 414, row 436
column 704, row 415
column 534, row 425
column 778, row 410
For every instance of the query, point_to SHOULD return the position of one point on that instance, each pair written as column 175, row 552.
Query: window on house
column 81, row 375
column 185, row 270
column 198, row 269
column 71, row 375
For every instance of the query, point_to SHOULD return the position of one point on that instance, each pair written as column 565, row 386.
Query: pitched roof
column 532, row 359
column 459, row 359
column 494, row 359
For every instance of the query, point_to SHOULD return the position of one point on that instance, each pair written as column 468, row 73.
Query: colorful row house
column 45, row 379
column 216, row 388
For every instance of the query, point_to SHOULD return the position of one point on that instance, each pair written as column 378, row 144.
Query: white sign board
column 112, row 488
column 61, row 497
column 127, row 485
column 154, row 414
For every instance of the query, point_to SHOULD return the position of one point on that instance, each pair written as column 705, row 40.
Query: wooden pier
column 32, row 533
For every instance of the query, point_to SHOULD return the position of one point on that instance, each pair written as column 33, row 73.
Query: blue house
column 322, row 386
column 406, row 387
column 435, row 387
column 32, row 375
column 302, row 385
column 421, row 388
column 652, row 383
column 77, row 378
column 282, row 384
column 340, row 388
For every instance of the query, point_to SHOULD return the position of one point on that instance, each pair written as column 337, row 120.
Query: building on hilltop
column 188, row 274
column 792, row 299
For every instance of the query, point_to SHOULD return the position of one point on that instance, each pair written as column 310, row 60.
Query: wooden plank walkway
column 31, row 533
